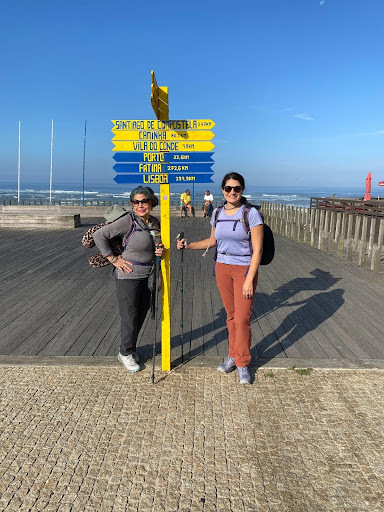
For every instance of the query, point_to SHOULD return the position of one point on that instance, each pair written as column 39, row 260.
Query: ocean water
column 296, row 196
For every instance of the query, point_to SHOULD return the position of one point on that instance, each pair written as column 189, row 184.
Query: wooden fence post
column 307, row 226
column 363, row 243
column 357, row 233
column 340, row 241
column 378, row 248
column 372, row 232
column 299, row 224
column 320, row 244
column 349, row 240
column 314, row 226
column 338, row 228
column 331, row 233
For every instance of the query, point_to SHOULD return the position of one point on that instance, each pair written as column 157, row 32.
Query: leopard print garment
column 98, row 260
column 87, row 239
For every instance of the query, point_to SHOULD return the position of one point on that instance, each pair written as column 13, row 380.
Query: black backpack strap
column 218, row 210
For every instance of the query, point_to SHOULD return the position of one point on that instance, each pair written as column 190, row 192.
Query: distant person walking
column 140, row 234
column 186, row 203
column 236, row 270
column 208, row 204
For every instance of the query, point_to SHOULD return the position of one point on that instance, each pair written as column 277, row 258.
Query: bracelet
column 114, row 259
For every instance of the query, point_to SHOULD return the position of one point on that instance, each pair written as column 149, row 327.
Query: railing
column 372, row 208
column 78, row 202
column 347, row 234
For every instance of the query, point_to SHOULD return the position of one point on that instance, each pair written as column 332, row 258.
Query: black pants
column 134, row 300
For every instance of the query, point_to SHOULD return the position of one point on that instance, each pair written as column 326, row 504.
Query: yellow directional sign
column 164, row 135
column 159, row 99
column 162, row 145
column 155, row 124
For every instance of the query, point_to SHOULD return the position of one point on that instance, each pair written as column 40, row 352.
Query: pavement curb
column 196, row 362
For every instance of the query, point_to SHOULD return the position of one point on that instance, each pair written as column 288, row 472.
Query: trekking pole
column 180, row 236
column 157, row 267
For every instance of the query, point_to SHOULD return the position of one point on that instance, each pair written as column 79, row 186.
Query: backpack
column 97, row 260
column 268, row 240
column 134, row 227
column 116, row 244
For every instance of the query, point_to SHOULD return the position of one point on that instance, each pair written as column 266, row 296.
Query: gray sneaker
column 244, row 375
column 227, row 366
column 129, row 363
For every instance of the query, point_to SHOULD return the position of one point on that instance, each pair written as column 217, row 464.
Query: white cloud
column 368, row 134
column 304, row 117
column 322, row 2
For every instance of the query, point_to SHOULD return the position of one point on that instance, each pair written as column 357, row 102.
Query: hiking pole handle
column 179, row 237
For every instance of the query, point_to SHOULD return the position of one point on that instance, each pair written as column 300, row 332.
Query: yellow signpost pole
column 159, row 102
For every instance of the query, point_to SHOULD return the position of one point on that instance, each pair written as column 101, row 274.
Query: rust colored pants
column 230, row 280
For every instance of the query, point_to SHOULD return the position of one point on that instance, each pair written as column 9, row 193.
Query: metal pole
column 85, row 139
column 180, row 237
column 18, row 167
column 50, row 174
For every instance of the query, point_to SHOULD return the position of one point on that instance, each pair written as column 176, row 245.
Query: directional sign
column 193, row 156
column 164, row 135
column 159, row 99
column 155, row 124
column 158, row 167
column 133, row 156
column 160, row 179
column 162, row 145
column 186, row 178
column 163, row 179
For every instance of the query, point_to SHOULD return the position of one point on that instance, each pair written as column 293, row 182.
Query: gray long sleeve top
column 140, row 248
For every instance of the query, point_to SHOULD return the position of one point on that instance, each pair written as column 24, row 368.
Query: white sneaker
column 129, row 363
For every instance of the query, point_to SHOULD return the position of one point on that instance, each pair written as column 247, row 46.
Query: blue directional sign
column 190, row 157
column 163, row 178
column 194, row 178
column 158, row 167
column 133, row 156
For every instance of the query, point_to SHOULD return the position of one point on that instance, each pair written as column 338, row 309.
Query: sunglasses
column 236, row 189
column 135, row 202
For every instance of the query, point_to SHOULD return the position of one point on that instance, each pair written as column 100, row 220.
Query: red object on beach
column 368, row 181
column 381, row 183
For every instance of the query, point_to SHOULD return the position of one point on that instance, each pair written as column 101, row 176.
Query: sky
column 295, row 87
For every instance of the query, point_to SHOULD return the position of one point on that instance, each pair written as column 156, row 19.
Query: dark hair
column 147, row 192
column 233, row 176
column 238, row 177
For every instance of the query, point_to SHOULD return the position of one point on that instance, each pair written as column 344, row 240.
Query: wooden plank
column 54, row 302
column 375, row 345
column 62, row 319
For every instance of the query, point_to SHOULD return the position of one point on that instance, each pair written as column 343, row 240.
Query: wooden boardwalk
column 308, row 304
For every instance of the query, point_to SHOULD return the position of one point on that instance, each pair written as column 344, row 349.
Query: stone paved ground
column 98, row 440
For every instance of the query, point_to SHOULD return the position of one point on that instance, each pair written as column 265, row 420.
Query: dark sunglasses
column 142, row 201
column 236, row 189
